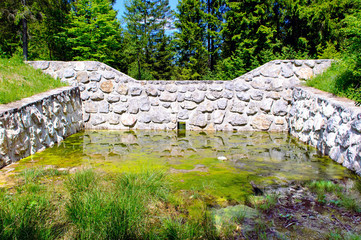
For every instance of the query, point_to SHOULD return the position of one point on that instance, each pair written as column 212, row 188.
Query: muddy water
column 219, row 164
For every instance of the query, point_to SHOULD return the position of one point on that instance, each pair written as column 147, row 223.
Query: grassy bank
column 19, row 80
column 48, row 204
column 52, row 204
column 338, row 80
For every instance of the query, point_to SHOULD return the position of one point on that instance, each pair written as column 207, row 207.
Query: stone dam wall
column 329, row 123
column 268, row 98
column 257, row 101
column 38, row 122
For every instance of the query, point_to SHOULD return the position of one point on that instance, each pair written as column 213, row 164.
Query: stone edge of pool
column 268, row 98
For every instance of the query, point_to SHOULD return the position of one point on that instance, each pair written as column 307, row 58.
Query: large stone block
column 122, row 89
column 271, row 70
column 222, row 104
column 120, row 108
column 103, row 107
column 171, row 88
column 98, row 96
column 256, row 95
column 280, row 108
column 238, row 120
column 82, row 77
column 106, row 86
column 241, row 86
column 238, row 107
column 198, row 119
column 134, row 105
column 69, row 72
column 213, row 95
column 168, row 97
column 95, row 76
column 228, row 94
column 183, row 114
column 113, row 98
column 261, row 122
column 208, row 106
column 144, row 104
column 128, row 120
column 160, row 117
column 135, row 91
column 218, row 116
column 151, row 91
column 287, row 71
column 97, row 120
column 216, row 87
column 266, row 105
column 243, row 96
column 304, row 73
column 197, row 97
column 252, row 108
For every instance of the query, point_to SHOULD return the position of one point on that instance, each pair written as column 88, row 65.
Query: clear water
column 194, row 159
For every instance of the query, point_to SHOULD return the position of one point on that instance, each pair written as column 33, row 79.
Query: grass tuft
column 107, row 210
column 321, row 187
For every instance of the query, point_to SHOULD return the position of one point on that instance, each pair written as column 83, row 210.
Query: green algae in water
column 192, row 159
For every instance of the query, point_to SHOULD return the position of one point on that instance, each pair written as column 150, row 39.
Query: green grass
column 338, row 80
column 51, row 204
column 48, row 204
column 19, row 80
column 328, row 191
column 118, row 209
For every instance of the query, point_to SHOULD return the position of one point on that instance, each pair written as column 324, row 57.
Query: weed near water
column 115, row 209
column 27, row 212
column 329, row 192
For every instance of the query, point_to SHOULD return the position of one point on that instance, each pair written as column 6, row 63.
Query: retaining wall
column 265, row 99
column 258, row 100
column 38, row 122
column 329, row 123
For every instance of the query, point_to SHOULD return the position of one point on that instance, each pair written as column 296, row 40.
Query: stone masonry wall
column 331, row 124
column 38, row 122
column 258, row 100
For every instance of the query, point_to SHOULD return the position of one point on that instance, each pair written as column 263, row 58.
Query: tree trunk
column 25, row 35
column 209, row 37
column 25, row 39
column 139, row 72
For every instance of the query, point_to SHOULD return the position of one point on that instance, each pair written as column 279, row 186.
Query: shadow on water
column 219, row 164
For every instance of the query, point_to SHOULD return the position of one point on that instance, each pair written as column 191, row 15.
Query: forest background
column 202, row 39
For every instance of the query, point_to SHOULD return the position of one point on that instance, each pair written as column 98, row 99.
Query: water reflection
column 194, row 157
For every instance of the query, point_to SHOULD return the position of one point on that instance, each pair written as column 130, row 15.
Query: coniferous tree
column 213, row 16
column 249, row 30
column 147, row 22
column 190, row 40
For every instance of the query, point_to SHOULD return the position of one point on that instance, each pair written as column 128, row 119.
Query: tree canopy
column 201, row 39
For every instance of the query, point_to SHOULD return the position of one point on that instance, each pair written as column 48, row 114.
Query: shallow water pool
column 219, row 165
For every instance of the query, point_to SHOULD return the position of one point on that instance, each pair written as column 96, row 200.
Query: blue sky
column 119, row 5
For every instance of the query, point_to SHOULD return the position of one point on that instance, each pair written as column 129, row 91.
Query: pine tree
column 249, row 30
column 213, row 16
column 147, row 21
column 190, row 40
